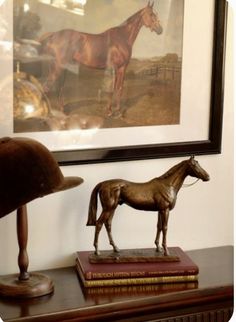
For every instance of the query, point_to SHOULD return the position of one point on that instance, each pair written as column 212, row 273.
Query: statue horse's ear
column 192, row 157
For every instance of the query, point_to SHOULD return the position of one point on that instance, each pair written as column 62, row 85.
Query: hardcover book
column 100, row 274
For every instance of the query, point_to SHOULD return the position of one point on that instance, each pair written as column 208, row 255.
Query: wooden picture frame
column 152, row 151
column 210, row 143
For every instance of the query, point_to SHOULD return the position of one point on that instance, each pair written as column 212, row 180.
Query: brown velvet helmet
column 28, row 171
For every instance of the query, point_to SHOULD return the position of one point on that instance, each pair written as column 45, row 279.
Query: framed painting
column 101, row 81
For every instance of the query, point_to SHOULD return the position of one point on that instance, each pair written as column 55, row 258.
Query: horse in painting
column 158, row 194
column 111, row 49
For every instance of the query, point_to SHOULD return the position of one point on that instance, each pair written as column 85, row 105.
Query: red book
column 101, row 274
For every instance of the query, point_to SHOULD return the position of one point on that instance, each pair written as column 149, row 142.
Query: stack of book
column 118, row 274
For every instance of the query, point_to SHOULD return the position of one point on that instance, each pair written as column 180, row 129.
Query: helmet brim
column 68, row 183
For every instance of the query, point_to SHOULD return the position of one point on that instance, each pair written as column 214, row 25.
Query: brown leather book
column 101, row 274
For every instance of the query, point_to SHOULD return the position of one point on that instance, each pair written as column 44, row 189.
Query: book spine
column 136, row 274
column 140, row 281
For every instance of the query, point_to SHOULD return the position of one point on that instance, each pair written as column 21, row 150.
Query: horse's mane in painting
column 131, row 18
column 172, row 170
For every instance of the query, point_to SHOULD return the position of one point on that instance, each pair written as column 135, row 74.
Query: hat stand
column 24, row 284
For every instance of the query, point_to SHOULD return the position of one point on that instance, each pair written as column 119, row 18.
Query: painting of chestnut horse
column 158, row 194
column 110, row 49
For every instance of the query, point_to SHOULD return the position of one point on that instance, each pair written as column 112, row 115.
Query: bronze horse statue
column 109, row 49
column 158, row 194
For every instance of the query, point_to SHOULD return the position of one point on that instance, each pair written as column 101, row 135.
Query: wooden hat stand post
column 24, row 284
column 28, row 171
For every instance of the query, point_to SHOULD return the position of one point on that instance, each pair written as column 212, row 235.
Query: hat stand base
column 37, row 285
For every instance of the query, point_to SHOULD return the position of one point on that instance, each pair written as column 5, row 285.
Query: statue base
column 148, row 255
column 37, row 285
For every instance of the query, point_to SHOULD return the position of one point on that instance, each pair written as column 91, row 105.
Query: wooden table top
column 70, row 300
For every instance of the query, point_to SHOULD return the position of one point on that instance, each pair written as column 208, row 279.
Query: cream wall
column 203, row 216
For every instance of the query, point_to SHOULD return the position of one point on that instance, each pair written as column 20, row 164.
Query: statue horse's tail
column 93, row 206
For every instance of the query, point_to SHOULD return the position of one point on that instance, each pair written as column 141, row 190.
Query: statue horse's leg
column 108, row 228
column 105, row 218
column 162, row 226
column 98, row 228
column 109, row 200
column 165, row 217
column 159, row 230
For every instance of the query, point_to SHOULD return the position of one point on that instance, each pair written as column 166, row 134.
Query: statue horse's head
column 150, row 19
column 195, row 170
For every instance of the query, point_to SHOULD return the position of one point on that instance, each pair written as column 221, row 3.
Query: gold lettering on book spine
column 107, row 275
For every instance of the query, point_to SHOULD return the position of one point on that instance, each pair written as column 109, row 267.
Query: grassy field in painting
column 151, row 96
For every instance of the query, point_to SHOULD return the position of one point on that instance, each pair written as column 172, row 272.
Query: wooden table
column 211, row 299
